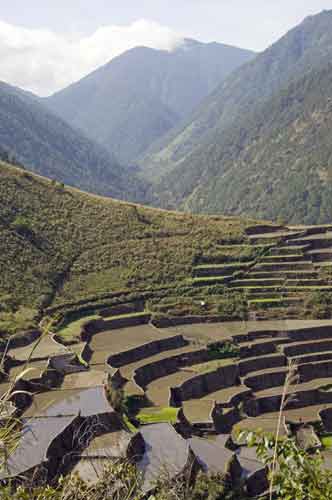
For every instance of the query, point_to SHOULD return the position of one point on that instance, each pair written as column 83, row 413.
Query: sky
column 47, row 44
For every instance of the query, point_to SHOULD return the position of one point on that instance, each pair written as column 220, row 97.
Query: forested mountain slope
column 137, row 97
column 47, row 145
column 261, row 143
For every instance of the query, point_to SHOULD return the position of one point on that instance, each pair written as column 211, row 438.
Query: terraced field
column 200, row 383
column 290, row 263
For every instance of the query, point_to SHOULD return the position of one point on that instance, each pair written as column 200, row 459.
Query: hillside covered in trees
column 261, row 143
column 140, row 95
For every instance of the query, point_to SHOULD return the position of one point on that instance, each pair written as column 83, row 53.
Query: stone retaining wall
column 265, row 380
column 167, row 322
column 158, row 369
column 24, row 339
column 224, row 419
column 251, row 351
column 326, row 417
column 263, row 228
column 205, row 383
column 262, row 363
column 312, row 371
column 146, row 350
column 100, row 325
column 302, row 349
column 126, row 308
column 301, row 399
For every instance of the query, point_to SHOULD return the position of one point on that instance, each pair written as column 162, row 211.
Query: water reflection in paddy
column 112, row 444
column 87, row 402
column 36, row 436
column 84, row 379
column 104, row 344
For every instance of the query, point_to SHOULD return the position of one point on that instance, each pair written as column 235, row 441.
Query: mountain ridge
column 49, row 146
column 138, row 96
column 194, row 162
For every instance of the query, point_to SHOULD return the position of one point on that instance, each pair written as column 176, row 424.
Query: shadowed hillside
column 260, row 144
column 49, row 146
column 139, row 96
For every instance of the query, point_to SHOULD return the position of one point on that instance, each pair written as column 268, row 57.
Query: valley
column 166, row 262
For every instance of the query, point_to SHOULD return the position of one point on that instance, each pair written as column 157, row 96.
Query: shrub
column 221, row 350
column 298, row 475
column 319, row 305
column 23, row 226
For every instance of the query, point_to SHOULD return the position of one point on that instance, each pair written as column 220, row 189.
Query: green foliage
column 71, row 332
column 91, row 248
column 233, row 306
column 205, row 487
column 298, row 475
column 319, row 305
column 12, row 322
column 120, row 481
column 214, row 300
column 326, row 440
column 22, row 225
column 157, row 415
column 221, row 350
column 261, row 144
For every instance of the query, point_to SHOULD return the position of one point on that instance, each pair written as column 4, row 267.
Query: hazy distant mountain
column 136, row 98
column 49, row 146
column 261, row 144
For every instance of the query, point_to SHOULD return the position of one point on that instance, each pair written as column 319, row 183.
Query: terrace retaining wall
column 204, row 384
column 146, row 350
column 311, row 371
column 24, row 339
column 326, row 417
column 101, row 325
column 49, row 379
column 167, row 322
column 299, row 349
column 158, row 369
column 64, row 451
column 265, row 380
column 262, row 363
column 126, row 308
column 296, row 335
column 301, row 399
column 223, row 419
column 264, row 228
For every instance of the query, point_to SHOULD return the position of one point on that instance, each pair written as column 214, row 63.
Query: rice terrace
column 159, row 343
column 166, row 250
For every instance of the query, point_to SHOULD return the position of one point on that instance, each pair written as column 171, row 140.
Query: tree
column 296, row 474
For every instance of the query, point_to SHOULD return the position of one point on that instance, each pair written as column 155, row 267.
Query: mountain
column 137, row 97
column 46, row 144
column 260, row 144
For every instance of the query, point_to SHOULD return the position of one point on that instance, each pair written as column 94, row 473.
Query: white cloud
column 42, row 61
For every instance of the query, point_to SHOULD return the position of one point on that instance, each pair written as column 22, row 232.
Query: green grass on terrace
column 326, row 440
column 157, row 415
column 207, row 279
column 213, row 365
column 226, row 265
column 127, row 315
column 72, row 330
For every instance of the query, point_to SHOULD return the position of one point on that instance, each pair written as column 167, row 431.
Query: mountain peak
column 140, row 95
